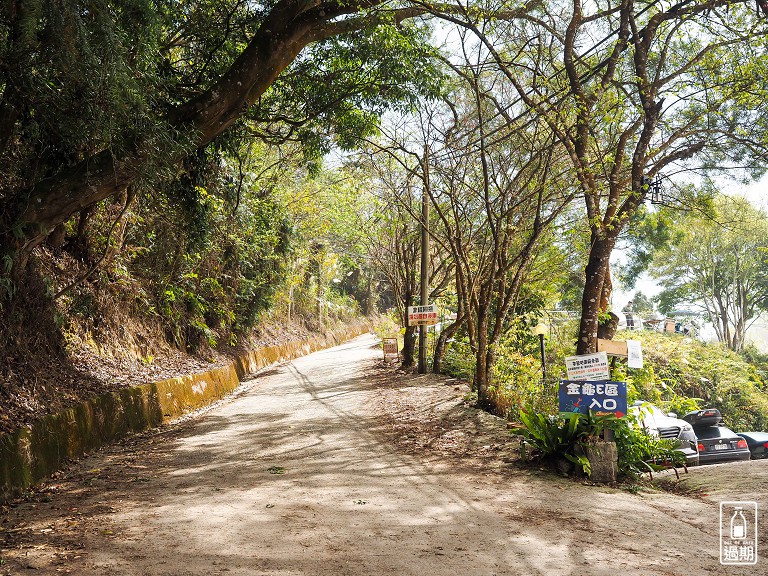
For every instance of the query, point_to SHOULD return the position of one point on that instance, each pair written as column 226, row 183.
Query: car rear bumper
column 691, row 456
column 759, row 453
column 724, row 456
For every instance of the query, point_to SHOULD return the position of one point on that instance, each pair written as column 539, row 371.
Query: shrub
column 518, row 385
column 684, row 374
column 385, row 326
column 640, row 451
column 459, row 361
column 554, row 438
column 516, row 382
column 681, row 374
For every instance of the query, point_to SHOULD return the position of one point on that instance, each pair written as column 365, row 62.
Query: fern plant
column 555, row 438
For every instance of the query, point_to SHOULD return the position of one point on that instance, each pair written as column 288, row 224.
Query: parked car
column 716, row 443
column 669, row 426
column 757, row 442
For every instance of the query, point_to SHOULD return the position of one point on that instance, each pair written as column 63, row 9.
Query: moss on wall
column 33, row 453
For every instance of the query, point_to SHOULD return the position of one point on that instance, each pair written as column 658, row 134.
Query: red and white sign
column 422, row 315
column 390, row 348
column 588, row 367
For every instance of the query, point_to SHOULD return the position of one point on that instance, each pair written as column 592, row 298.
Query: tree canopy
column 101, row 96
column 718, row 263
column 186, row 140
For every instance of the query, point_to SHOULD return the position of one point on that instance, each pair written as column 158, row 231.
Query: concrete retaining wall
column 33, row 453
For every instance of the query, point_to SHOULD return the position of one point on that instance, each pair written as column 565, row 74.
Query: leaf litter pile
column 429, row 415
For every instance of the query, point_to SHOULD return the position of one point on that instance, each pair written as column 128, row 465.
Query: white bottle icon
column 738, row 525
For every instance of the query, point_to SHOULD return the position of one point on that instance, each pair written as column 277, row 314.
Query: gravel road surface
column 334, row 464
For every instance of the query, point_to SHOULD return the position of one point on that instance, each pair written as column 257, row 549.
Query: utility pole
column 424, row 262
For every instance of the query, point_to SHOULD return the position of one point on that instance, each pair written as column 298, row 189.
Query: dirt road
column 334, row 465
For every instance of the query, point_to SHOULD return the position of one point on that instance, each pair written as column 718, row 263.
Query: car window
column 709, row 432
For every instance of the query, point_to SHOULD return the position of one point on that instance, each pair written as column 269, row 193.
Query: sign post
column 390, row 348
column 589, row 389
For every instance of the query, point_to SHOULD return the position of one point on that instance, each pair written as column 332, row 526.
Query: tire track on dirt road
column 299, row 476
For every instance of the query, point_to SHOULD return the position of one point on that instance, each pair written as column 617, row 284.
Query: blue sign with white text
column 600, row 396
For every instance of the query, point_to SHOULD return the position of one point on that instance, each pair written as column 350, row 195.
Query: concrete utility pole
column 424, row 262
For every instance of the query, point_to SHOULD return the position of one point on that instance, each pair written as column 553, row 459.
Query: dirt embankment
column 45, row 369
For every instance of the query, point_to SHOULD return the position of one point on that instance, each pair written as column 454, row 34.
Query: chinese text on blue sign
column 600, row 396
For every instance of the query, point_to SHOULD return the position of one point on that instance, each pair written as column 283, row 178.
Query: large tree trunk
column 409, row 338
column 482, row 380
column 54, row 200
column 440, row 344
column 80, row 245
column 605, row 293
column 289, row 27
column 483, row 372
column 409, row 346
column 596, row 270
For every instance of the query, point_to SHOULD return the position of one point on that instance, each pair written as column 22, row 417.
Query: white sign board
column 588, row 367
column 634, row 354
column 390, row 348
column 422, row 315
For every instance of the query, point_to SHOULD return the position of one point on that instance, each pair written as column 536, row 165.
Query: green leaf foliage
column 214, row 258
column 716, row 263
column 682, row 374
column 558, row 437
column 78, row 78
column 639, row 451
column 550, row 436
column 336, row 90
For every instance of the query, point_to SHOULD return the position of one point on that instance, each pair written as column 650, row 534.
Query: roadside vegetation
column 234, row 172
column 565, row 443
column 680, row 374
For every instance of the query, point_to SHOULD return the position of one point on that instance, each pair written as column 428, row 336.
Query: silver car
column 668, row 426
